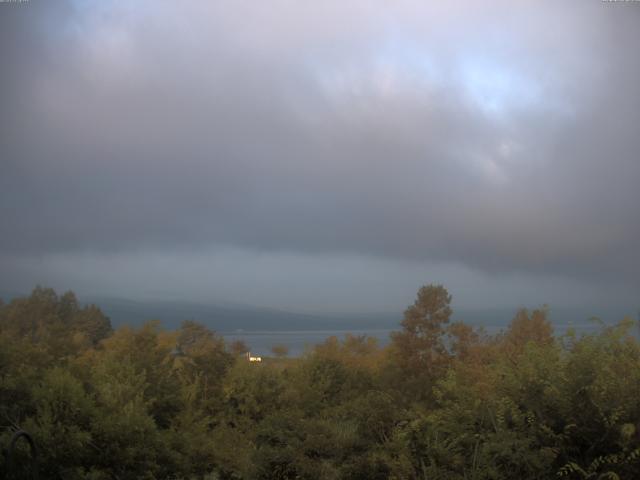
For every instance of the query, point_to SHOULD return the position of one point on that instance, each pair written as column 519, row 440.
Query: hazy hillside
column 230, row 318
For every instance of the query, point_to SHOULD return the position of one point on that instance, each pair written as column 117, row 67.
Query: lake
column 260, row 342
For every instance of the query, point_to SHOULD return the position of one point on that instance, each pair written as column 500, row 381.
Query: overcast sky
column 322, row 155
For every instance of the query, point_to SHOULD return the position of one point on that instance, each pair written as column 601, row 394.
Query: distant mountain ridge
column 219, row 318
column 228, row 318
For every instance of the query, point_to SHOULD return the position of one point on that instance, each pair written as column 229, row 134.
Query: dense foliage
column 442, row 401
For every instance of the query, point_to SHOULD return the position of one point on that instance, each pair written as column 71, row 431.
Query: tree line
column 443, row 400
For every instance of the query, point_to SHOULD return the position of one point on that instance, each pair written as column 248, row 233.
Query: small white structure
column 253, row 359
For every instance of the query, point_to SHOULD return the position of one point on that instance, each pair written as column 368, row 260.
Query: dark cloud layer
column 504, row 137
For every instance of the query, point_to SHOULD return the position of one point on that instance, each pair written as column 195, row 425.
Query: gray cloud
column 500, row 137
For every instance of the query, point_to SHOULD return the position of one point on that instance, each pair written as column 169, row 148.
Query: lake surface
column 298, row 341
